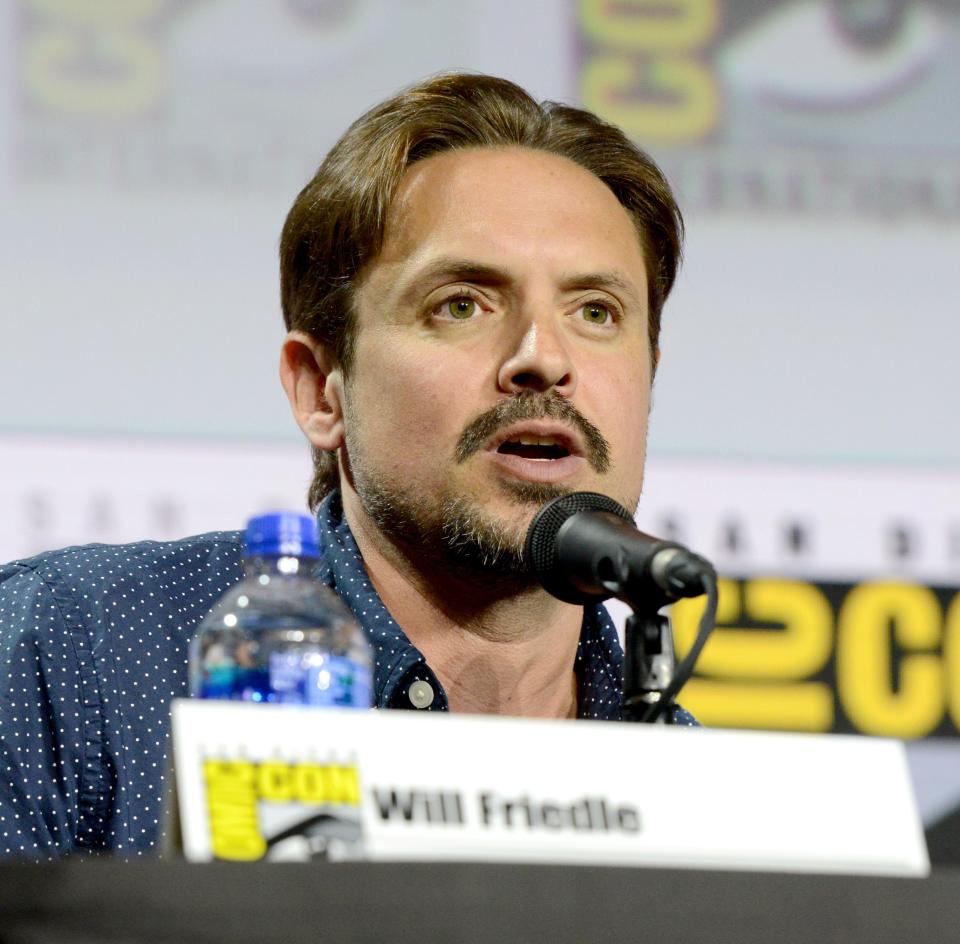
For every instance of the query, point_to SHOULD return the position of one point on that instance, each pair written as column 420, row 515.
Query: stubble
column 455, row 531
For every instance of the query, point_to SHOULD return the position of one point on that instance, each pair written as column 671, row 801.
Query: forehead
column 509, row 202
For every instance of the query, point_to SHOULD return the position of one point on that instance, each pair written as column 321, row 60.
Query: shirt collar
column 399, row 665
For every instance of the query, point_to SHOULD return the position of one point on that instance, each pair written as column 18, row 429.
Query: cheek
column 409, row 407
column 624, row 402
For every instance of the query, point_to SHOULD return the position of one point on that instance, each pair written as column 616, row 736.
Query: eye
column 461, row 308
column 596, row 313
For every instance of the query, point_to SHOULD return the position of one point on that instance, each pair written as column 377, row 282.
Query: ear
column 314, row 387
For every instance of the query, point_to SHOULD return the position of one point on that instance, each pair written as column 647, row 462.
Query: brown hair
column 336, row 224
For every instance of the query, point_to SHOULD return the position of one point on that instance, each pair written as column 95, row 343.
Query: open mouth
column 534, row 447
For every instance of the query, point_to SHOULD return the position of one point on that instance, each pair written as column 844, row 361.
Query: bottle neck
column 271, row 565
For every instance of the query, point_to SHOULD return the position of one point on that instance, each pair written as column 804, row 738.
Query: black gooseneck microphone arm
column 584, row 548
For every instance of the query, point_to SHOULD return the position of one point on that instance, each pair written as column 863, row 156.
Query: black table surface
column 116, row 901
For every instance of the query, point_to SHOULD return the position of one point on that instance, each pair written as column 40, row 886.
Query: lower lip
column 539, row 470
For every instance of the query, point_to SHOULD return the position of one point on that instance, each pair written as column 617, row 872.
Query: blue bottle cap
column 282, row 534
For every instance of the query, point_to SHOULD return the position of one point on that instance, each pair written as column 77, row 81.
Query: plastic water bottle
column 280, row 635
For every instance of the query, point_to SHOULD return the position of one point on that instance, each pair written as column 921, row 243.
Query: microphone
column 584, row 548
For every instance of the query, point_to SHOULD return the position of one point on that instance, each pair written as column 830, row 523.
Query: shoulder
column 80, row 584
column 99, row 563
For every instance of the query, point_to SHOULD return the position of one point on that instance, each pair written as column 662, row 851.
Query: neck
column 494, row 651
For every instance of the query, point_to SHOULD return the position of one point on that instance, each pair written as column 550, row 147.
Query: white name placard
column 277, row 782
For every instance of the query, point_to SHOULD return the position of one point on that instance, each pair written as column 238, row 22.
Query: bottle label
column 321, row 679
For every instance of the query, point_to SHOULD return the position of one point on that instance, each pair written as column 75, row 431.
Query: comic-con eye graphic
column 870, row 23
column 821, row 54
column 298, row 41
column 322, row 837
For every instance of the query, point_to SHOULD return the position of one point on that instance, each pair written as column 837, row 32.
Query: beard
column 455, row 531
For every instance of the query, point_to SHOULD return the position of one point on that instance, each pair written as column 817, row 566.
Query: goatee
column 455, row 532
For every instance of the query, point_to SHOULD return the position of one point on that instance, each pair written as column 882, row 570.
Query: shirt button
column 421, row 695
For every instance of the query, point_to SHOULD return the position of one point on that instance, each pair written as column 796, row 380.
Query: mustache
column 531, row 405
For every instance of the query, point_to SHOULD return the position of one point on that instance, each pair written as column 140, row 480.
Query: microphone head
column 540, row 547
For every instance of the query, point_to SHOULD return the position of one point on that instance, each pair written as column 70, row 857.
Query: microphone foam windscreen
column 541, row 543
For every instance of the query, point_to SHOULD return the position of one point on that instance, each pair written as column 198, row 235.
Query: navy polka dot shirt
column 93, row 647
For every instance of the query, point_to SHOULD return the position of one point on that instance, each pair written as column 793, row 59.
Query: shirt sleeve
column 48, row 753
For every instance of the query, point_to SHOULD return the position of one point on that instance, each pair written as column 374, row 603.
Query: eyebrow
column 469, row 270
column 449, row 268
column 611, row 281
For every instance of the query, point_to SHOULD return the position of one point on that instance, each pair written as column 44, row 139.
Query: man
column 473, row 286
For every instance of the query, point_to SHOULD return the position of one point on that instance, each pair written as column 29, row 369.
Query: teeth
column 537, row 441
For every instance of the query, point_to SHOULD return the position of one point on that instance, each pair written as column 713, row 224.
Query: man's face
column 501, row 354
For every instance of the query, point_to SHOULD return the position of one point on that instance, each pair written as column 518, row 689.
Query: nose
column 539, row 360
